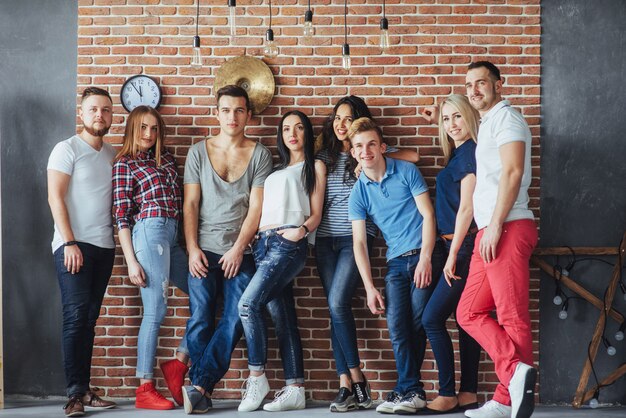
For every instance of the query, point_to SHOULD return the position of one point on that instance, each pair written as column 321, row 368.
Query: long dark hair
column 331, row 144
column 308, row 170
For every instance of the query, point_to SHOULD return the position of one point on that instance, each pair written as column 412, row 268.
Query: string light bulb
column 196, row 57
column 563, row 311
column 593, row 403
column 384, row 32
column 232, row 19
column 619, row 335
column 610, row 350
column 308, row 30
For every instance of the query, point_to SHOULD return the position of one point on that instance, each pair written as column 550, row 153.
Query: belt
column 411, row 252
column 450, row 237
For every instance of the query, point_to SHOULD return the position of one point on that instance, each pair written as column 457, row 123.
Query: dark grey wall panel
column 583, row 179
column 38, row 45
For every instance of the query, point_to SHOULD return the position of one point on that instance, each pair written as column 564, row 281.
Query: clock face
column 140, row 90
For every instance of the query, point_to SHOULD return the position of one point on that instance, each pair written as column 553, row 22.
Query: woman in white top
column 292, row 208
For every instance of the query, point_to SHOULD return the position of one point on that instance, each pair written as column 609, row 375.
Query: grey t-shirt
column 223, row 205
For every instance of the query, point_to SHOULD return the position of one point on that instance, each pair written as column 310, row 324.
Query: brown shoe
column 91, row 400
column 74, row 407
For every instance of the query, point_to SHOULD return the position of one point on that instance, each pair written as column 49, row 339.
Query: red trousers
column 501, row 285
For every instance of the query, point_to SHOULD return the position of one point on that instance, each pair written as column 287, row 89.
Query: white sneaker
column 288, row 399
column 491, row 409
column 522, row 391
column 256, row 390
column 393, row 398
column 410, row 404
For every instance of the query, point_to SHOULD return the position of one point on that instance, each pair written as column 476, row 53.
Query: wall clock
column 140, row 90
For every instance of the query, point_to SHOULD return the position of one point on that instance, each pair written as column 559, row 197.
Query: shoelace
column 359, row 391
column 279, row 395
column 393, row 397
column 73, row 400
column 250, row 387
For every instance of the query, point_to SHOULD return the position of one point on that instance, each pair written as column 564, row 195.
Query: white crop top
column 285, row 201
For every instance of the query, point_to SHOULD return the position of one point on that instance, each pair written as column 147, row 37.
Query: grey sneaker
column 343, row 402
column 522, row 391
column 393, row 398
column 195, row 402
column 410, row 403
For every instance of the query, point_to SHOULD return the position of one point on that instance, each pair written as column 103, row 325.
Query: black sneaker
column 362, row 394
column 343, row 402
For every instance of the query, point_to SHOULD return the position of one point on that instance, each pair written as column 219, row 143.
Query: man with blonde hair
column 395, row 196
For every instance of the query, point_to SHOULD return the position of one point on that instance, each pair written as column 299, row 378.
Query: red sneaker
column 174, row 372
column 147, row 397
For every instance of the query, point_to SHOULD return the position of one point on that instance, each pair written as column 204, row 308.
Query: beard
column 97, row 132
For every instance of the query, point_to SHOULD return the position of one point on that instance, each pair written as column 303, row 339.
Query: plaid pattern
column 143, row 190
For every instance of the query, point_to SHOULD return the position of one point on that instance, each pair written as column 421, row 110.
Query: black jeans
column 81, row 296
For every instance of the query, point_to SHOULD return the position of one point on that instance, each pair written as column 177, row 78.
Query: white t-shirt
column 285, row 200
column 501, row 125
column 89, row 195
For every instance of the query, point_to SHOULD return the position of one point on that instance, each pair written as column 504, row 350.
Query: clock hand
column 140, row 94
column 135, row 87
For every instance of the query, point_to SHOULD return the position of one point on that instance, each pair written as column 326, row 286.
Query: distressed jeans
column 81, row 296
column 278, row 262
column 155, row 241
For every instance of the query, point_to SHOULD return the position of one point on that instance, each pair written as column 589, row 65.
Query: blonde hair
column 364, row 125
column 470, row 116
column 132, row 133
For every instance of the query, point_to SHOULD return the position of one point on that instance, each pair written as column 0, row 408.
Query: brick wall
column 432, row 43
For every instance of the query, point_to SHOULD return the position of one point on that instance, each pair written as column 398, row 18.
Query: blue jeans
column 278, row 262
column 405, row 305
column 340, row 277
column 211, row 348
column 81, row 296
column 442, row 303
column 155, row 241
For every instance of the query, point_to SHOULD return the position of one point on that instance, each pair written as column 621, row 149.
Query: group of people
column 248, row 224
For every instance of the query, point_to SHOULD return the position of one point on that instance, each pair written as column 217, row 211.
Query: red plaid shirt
column 143, row 190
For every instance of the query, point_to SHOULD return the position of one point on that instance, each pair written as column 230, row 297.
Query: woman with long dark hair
column 335, row 259
column 292, row 208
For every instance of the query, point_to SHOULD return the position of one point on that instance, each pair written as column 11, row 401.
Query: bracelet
column 307, row 232
column 70, row 243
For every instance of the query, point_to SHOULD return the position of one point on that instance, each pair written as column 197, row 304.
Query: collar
column 495, row 109
column 390, row 169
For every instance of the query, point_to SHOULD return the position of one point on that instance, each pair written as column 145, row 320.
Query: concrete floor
column 53, row 408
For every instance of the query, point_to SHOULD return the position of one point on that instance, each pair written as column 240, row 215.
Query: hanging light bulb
column 384, row 35
column 232, row 19
column 345, row 57
column 345, row 49
column 309, row 30
column 196, row 57
column 593, row 403
column 270, row 50
column 557, row 299
column 619, row 335
column 384, row 32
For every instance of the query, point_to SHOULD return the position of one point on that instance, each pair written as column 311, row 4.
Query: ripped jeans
column 278, row 262
column 156, row 248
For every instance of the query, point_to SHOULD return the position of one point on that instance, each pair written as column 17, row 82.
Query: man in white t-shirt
column 499, row 274
column 79, row 194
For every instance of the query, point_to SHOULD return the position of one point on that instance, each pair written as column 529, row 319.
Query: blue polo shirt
column 448, row 199
column 391, row 205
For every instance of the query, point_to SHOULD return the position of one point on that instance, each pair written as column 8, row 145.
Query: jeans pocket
column 286, row 242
